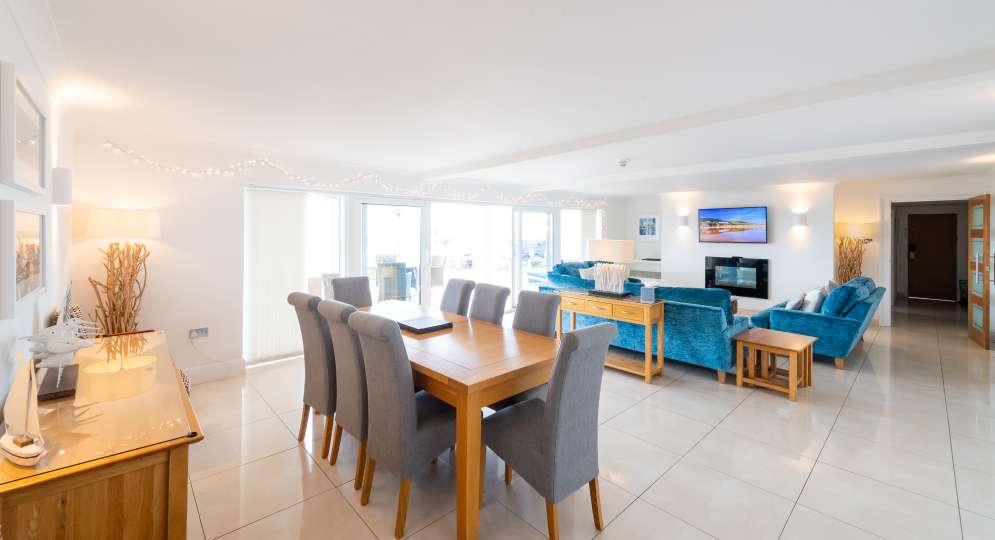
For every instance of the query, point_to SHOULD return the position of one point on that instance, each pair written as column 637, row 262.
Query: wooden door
column 933, row 256
column 979, row 269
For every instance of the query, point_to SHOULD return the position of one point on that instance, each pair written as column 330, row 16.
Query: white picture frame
column 648, row 227
column 24, row 135
column 23, row 269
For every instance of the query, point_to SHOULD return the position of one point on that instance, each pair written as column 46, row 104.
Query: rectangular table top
column 764, row 337
column 472, row 354
column 128, row 397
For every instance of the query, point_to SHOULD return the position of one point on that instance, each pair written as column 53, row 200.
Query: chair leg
column 722, row 376
column 402, row 508
column 599, row 520
column 336, row 443
column 507, row 474
column 551, row 522
column 483, row 473
column 326, row 439
column 840, row 363
column 360, row 463
column 371, row 466
column 304, row 415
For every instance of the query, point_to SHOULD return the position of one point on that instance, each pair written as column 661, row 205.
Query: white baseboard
column 215, row 371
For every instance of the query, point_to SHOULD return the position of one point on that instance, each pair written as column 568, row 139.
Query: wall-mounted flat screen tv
column 746, row 225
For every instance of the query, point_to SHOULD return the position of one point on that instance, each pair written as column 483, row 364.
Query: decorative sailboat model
column 22, row 443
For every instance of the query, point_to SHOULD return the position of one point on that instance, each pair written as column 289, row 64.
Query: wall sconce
column 801, row 219
column 62, row 186
column 684, row 220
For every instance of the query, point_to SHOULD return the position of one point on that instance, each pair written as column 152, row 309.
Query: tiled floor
column 900, row 444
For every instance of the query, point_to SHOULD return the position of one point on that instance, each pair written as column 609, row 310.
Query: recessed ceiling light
column 986, row 158
column 623, row 162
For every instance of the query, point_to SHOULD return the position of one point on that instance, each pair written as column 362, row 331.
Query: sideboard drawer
column 572, row 304
column 603, row 309
column 628, row 313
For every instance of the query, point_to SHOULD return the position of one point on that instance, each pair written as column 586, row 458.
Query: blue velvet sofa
column 839, row 325
column 698, row 323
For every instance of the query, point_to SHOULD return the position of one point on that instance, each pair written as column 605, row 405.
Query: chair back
column 354, row 291
column 570, row 443
column 536, row 313
column 488, row 302
column 456, row 298
column 350, row 374
column 319, row 358
column 390, row 389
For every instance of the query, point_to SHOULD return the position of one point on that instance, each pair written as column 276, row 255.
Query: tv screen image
column 737, row 225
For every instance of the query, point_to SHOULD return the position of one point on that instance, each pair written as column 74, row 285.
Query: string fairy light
column 365, row 182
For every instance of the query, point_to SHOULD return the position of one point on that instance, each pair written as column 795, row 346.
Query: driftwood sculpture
column 119, row 297
column 849, row 258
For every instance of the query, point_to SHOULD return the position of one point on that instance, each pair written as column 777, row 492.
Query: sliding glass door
column 392, row 251
column 470, row 241
column 533, row 248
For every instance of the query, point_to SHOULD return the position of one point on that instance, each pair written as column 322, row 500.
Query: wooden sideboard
column 628, row 309
column 115, row 465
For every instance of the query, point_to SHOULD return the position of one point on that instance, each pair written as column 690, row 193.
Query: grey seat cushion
column 435, row 433
column 515, row 433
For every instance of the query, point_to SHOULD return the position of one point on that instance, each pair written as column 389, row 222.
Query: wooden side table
column 759, row 366
column 628, row 309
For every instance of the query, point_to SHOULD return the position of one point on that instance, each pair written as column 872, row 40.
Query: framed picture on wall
column 22, row 256
column 23, row 135
column 646, row 227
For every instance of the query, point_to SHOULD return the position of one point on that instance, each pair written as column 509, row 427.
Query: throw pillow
column 586, row 273
column 813, row 300
column 830, row 286
column 796, row 303
column 838, row 301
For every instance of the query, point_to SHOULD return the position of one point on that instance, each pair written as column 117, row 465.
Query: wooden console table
column 115, row 464
column 628, row 309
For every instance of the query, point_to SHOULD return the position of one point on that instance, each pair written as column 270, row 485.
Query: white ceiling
column 551, row 94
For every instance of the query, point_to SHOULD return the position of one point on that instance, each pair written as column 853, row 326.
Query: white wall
column 28, row 41
column 801, row 257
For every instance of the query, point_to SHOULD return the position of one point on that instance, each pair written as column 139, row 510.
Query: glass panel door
column 533, row 258
column 392, row 251
column 469, row 241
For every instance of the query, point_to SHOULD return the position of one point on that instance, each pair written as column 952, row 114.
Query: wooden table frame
column 503, row 362
column 764, row 345
column 625, row 309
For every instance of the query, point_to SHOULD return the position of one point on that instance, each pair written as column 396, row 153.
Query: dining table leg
column 468, row 471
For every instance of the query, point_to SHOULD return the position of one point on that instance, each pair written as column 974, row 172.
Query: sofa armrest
column 739, row 324
column 762, row 318
column 837, row 335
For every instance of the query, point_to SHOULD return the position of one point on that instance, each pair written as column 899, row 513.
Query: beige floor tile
column 976, row 491
column 643, row 521
column 764, row 466
column 876, row 507
column 708, row 500
column 574, row 512
column 629, row 462
column 611, row 405
column 195, row 531
column 925, row 476
column 225, row 449
column 236, row 497
column 977, row 527
column 665, row 429
column 496, row 523
column 974, row 453
column 808, row 524
column 323, row 517
column 229, row 403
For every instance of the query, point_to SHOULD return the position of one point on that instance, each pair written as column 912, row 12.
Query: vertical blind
column 290, row 236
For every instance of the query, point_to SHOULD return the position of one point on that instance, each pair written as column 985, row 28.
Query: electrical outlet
column 198, row 332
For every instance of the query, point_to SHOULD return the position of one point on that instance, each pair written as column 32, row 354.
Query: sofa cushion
column 837, row 300
column 813, row 300
column 719, row 298
column 571, row 268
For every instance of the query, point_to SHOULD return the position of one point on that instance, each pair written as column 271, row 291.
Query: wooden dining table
column 469, row 366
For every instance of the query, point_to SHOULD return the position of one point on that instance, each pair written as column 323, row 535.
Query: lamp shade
column 864, row 231
column 113, row 223
column 62, row 186
column 611, row 250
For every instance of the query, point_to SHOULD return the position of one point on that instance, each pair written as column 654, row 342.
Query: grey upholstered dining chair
column 456, row 298
column 536, row 313
column 407, row 430
column 350, row 382
column 354, row 291
column 553, row 444
column 488, row 302
column 319, row 365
